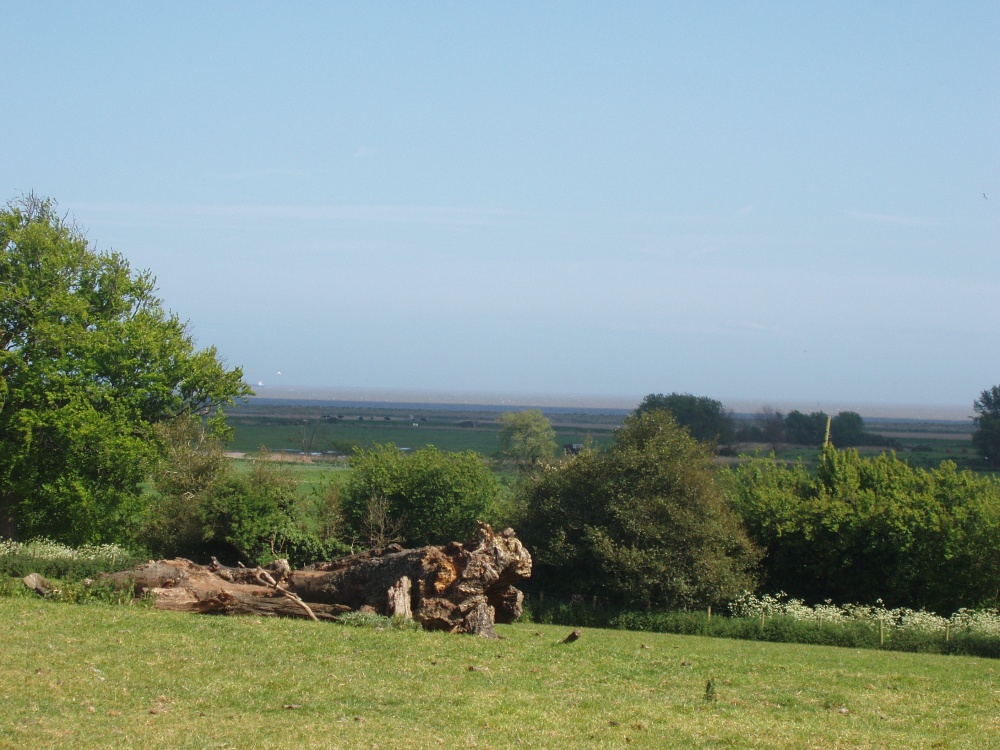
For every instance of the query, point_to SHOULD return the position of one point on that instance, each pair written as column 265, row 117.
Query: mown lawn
column 97, row 676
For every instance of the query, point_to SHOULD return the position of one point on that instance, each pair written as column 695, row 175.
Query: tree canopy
column 986, row 438
column 868, row 528
column 805, row 429
column 705, row 418
column 526, row 438
column 642, row 522
column 426, row 496
column 90, row 362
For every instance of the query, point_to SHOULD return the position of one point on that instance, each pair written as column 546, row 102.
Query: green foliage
column 254, row 515
column 986, row 438
column 783, row 620
column 191, row 460
column 642, row 523
column 90, row 592
column 526, row 438
column 575, row 612
column 847, row 429
column 53, row 560
column 865, row 528
column 90, row 361
column 705, row 418
column 246, row 511
column 199, row 505
column 428, row 496
column 805, row 429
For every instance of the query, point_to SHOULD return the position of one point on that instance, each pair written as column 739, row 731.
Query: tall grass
column 55, row 560
column 779, row 619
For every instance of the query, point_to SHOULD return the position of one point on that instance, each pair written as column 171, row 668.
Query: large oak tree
column 90, row 362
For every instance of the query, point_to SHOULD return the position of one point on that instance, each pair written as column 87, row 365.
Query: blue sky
column 770, row 202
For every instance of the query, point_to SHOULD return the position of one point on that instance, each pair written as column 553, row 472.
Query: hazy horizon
column 951, row 412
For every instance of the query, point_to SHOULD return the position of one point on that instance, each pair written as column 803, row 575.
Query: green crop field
column 326, row 430
column 321, row 430
column 99, row 676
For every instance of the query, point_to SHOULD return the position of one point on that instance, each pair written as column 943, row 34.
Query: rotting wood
column 37, row 583
column 461, row 588
column 265, row 579
column 398, row 599
column 574, row 636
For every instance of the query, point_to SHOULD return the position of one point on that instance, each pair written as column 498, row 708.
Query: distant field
column 922, row 453
column 97, row 676
column 314, row 429
column 324, row 430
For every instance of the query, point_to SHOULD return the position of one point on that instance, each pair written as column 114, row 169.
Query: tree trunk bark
column 461, row 588
column 8, row 517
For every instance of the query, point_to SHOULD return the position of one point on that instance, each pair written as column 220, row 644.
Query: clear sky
column 757, row 201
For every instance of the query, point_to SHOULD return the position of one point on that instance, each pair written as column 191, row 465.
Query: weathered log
column 183, row 586
column 461, row 588
column 398, row 599
column 37, row 583
column 226, row 601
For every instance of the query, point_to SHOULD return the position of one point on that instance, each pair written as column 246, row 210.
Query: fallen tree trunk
column 461, row 588
column 183, row 586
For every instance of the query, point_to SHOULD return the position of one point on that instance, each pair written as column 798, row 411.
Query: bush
column 642, row 524
column 863, row 528
column 253, row 516
column 575, row 613
column 419, row 498
column 201, row 506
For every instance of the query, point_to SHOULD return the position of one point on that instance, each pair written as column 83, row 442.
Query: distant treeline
column 847, row 429
column 708, row 421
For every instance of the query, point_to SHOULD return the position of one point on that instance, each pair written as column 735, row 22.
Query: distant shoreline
column 374, row 398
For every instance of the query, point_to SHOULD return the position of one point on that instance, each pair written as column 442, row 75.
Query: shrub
column 863, row 528
column 424, row 497
column 642, row 523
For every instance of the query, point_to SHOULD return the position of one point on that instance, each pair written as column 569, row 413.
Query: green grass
column 301, row 428
column 309, row 477
column 298, row 428
column 124, row 677
column 928, row 454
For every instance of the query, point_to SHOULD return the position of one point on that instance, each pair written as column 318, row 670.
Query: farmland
column 332, row 430
column 324, row 429
column 98, row 676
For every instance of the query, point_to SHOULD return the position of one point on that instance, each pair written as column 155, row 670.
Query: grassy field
column 124, row 677
column 323, row 429
column 443, row 430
